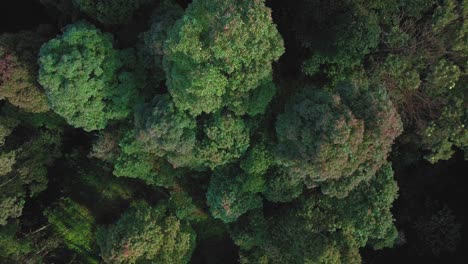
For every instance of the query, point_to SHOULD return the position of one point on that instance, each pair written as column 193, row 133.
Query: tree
column 24, row 171
column 130, row 159
column 339, row 35
column 231, row 193
column 18, row 71
column 10, row 247
column 426, row 85
column 147, row 234
column 319, row 228
column 85, row 78
column 75, row 225
column 7, row 124
column 282, row 186
column 164, row 130
column 235, row 44
column 336, row 141
column 110, row 12
column 151, row 44
column 225, row 139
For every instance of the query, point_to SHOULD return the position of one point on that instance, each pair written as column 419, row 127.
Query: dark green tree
column 151, row 45
column 319, row 228
column 423, row 72
column 129, row 158
column 231, row 193
column 23, row 171
column 338, row 34
column 110, row 12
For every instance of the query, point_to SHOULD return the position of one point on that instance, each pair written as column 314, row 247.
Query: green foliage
column 134, row 162
column 446, row 132
column 231, row 193
column 339, row 34
column 226, row 138
column 321, row 141
column 282, row 186
column 150, row 49
column 146, row 234
column 401, row 71
column 423, row 72
column 18, row 71
column 11, row 207
column 7, row 160
column 166, row 131
column 7, row 124
column 11, row 248
column 219, row 54
column 75, row 225
column 197, row 144
column 443, row 78
column 184, row 206
column 85, row 78
column 24, row 171
column 110, row 12
column 321, row 229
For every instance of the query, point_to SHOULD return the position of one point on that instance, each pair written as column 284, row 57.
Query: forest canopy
column 235, row 131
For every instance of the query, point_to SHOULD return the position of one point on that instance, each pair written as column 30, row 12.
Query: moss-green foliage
column 12, row 207
column 282, row 186
column 184, row 206
column 321, row 229
column 110, row 12
column 166, row 131
column 447, row 132
column 219, row 54
column 134, row 162
column 339, row 34
column 427, row 85
column 150, row 48
column 24, row 170
column 336, row 141
column 231, row 193
column 75, row 225
column 7, row 124
column 12, row 249
column 85, row 78
column 7, row 160
column 225, row 139
column 257, row 160
column 179, row 134
column 146, row 234
column 18, row 71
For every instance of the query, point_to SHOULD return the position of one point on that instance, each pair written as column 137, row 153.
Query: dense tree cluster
column 145, row 234
column 161, row 131
column 321, row 229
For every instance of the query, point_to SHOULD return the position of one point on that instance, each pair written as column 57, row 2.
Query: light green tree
column 219, row 54
column 85, row 78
